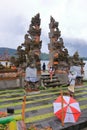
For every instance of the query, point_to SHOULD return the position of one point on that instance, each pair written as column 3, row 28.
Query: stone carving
column 77, row 64
column 58, row 53
column 32, row 43
column 21, row 56
column 77, row 61
column 31, row 48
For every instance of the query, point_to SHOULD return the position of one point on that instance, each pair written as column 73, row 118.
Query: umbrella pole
column 62, row 108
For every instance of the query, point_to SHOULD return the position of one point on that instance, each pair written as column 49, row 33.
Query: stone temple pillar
column 58, row 54
column 33, row 43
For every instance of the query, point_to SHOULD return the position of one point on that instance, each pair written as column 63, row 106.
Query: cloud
column 74, row 19
column 11, row 33
column 15, row 17
column 45, row 41
column 13, row 25
column 74, row 45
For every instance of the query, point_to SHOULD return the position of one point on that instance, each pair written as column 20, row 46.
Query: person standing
column 44, row 67
column 51, row 72
column 72, row 78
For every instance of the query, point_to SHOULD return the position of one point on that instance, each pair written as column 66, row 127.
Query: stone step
column 50, row 81
column 39, row 107
column 47, row 82
column 48, row 77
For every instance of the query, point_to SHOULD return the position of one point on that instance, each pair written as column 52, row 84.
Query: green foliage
column 42, row 87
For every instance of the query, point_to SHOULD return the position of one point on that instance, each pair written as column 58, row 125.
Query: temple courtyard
column 39, row 106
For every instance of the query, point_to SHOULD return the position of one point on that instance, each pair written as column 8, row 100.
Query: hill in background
column 8, row 52
column 12, row 52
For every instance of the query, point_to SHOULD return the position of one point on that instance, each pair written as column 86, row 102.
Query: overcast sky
column 15, row 18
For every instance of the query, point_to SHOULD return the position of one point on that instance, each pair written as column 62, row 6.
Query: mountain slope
column 7, row 51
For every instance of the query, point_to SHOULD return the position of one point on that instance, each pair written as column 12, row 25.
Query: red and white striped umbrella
column 67, row 107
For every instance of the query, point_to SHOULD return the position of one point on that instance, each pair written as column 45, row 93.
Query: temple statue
column 77, row 64
column 77, row 61
column 58, row 54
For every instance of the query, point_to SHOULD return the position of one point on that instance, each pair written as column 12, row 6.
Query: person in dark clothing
column 44, row 67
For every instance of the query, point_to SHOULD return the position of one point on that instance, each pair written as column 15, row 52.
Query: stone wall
column 11, row 83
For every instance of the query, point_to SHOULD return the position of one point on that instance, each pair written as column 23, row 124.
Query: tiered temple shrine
column 77, row 64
